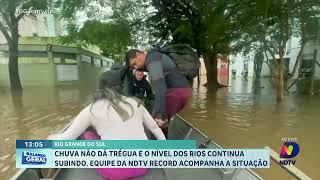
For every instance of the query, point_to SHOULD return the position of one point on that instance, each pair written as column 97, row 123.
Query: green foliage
column 199, row 23
column 69, row 8
column 113, row 38
column 270, row 23
column 309, row 20
column 113, row 33
column 34, row 4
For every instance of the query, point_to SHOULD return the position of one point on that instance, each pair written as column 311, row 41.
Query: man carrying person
column 171, row 87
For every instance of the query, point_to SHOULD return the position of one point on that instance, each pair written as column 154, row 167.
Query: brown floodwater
column 246, row 115
column 240, row 116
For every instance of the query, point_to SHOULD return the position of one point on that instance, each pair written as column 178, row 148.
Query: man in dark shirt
column 170, row 86
column 142, row 89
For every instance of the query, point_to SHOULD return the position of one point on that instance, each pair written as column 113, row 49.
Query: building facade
column 44, row 61
column 242, row 64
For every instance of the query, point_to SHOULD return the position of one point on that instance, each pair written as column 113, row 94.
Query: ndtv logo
column 289, row 150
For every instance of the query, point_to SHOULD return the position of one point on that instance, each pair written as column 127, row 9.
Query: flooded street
column 40, row 112
column 245, row 116
column 241, row 116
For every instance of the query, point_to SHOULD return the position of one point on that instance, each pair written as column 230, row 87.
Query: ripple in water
column 242, row 117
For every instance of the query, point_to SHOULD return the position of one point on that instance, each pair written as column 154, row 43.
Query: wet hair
column 132, row 53
column 110, row 86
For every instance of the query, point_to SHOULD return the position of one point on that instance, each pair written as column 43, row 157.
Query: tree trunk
column 280, row 77
column 13, row 59
column 210, row 62
column 273, row 70
column 268, row 63
column 257, row 68
column 257, row 73
column 273, row 67
column 257, row 85
column 296, row 64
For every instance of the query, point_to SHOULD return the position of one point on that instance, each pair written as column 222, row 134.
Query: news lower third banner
column 129, row 153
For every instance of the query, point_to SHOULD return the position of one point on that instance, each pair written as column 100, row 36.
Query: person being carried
column 114, row 117
column 142, row 89
column 171, row 87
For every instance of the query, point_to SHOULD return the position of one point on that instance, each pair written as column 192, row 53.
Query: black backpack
column 185, row 58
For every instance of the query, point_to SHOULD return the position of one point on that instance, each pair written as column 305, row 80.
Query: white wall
column 44, row 25
column 308, row 51
column 239, row 60
column 265, row 69
column 293, row 48
column 292, row 51
column 30, row 25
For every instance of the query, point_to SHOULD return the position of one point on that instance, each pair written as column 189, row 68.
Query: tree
column 307, row 26
column 199, row 23
column 112, row 38
column 11, row 12
column 113, row 32
column 270, row 24
column 258, row 62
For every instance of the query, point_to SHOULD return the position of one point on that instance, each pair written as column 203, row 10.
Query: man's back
column 159, row 65
column 163, row 76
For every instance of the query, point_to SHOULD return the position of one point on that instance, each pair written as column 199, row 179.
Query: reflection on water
column 34, row 115
column 247, row 116
column 241, row 116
